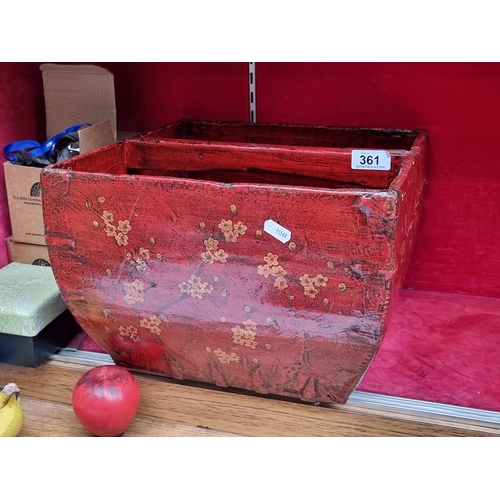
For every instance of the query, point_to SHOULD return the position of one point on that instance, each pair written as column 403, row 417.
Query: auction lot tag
column 363, row 159
column 279, row 232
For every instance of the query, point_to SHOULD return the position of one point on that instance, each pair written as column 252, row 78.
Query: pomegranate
column 106, row 399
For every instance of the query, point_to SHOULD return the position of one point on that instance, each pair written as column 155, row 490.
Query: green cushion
column 29, row 299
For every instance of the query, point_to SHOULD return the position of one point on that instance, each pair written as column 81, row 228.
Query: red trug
column 159, row 249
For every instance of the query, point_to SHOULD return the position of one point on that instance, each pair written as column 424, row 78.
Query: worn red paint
column 159, row 248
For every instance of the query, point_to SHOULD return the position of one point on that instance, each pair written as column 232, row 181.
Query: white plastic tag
column 364, row 159
column 279, row 232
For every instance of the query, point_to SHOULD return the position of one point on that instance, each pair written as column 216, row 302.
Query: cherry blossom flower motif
column 231, row 236
column 151, row 324
column 278, row 271
column 138, row 295
column 226, row 225
column 124, row 226
column 124, row 332
column 264, row 270
column 130, row 332
column 271, row 259
column 206, row 288
column 195, row 287
column 213, row 253
column 245, row 337
column 195, row 282
column 208, row 257
column 220, row 255
column 136, row 285
column 144, row 253
column 133, row 297
column 155, row 321
column 121, row 239
column 137, row 260
column 140, row 265
column 107, row 217
column 155, row 330
column 310, row 291
column 226, row 358
column 250, row 325
column 237, row 330
column 280, row 283
column 240, row 228
column 234, row 357
column 306, row 281
column 211, row 244
column 129, row 299
column 249, row 341
column 320, row 280
column 134, row 292
column 110, row 230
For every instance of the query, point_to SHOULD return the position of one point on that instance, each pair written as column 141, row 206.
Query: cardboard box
column 24, row 199
column 36, row 255
column 73, row 94
column 34, row 320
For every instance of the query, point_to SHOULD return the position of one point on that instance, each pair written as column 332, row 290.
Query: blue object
column 36, row 150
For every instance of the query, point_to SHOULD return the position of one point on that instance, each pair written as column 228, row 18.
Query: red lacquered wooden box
column 244, row 255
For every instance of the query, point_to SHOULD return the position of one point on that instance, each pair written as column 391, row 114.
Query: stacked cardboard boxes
column 73, row 94
column 35, row 322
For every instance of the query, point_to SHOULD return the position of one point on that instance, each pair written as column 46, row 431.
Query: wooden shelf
column 169, row 408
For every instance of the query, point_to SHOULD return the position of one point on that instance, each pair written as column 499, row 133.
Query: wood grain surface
column 171, row 409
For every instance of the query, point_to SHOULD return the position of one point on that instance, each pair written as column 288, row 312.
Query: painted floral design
column 264, row 270
column 195, row 287
column 245, row 336
column 138, row 259
column 130, row 332
column 213, row 252
column 280, row 283
column 152, row 324
column 119, row 231
column 232, row 231
column 134, row 292
column 272, row 268
column 226, row 358
column 107, row 217
column 271, row 259
column 121, row 239
column 310, row 284
column 124, row 226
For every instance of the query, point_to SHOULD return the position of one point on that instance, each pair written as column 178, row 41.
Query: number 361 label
column 363, row 159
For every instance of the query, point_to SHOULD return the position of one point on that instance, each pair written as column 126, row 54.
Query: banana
column 11, row 413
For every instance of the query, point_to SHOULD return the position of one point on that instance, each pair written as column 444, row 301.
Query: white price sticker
column 363, row 159
column 279, row 232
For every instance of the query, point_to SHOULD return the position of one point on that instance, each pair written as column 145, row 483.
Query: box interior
column 287, row 135
column 193, row 150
